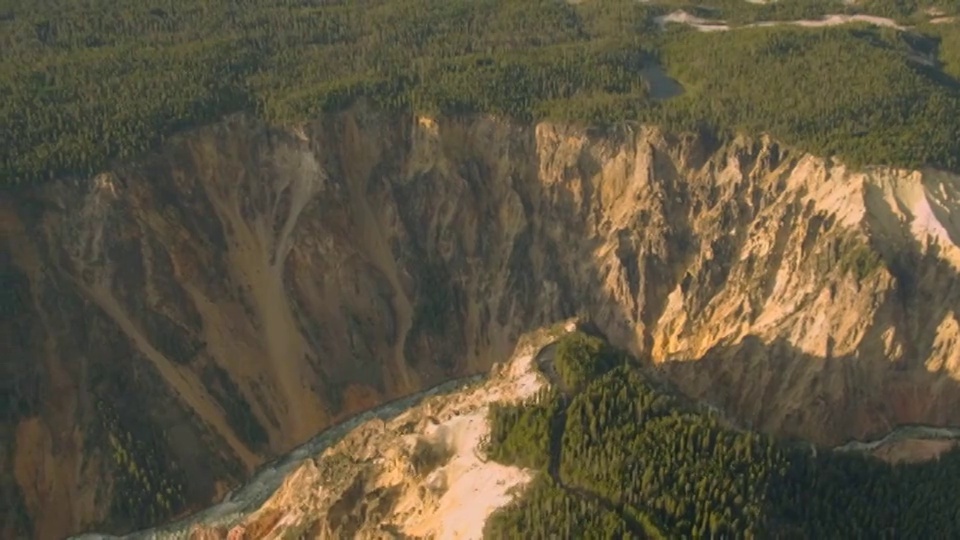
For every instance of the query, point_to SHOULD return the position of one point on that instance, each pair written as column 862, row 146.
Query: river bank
column 270, row 476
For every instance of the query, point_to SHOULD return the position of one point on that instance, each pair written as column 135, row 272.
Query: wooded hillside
column 623, row 456
column 84, row 82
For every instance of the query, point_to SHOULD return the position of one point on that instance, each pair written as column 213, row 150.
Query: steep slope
column 181, row 319
column 622, row 455
column 557, row 442
column 419, row 474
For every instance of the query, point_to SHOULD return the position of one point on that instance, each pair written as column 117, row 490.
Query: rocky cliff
column 422, row 472
column 179, row 319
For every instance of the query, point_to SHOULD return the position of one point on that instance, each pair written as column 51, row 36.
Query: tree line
column 85, row 83
column 654, row 459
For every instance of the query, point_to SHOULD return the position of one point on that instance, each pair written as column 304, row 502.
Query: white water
column 237, row 504
column 901, row 433
column 249, row 497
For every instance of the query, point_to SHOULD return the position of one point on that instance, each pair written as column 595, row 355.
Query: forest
column 85, row 83
column 622, row 455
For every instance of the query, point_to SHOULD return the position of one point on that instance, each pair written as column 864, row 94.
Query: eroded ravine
column 264, row 483
column 240, row 509
column 247, row 286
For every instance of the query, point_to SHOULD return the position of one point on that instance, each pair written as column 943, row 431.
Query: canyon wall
column 176, row 321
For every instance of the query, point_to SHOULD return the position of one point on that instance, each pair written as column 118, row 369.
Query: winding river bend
column 911, row 432
column 264, row 483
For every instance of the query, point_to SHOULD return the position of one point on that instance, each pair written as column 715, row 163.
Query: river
column 915, row 432
column 268, row 478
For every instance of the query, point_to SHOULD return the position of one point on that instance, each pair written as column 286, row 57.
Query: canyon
column 180, row 320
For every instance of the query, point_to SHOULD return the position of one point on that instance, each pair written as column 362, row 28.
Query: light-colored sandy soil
column 451, row 501
column 682, row 17
column 476, row 488
column 929, row 206
column 913, row 450
column 708, row 25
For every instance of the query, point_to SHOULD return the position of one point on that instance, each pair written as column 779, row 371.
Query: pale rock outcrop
column 422, row 474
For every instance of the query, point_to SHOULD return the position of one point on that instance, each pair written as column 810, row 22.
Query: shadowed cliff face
column 175, row 322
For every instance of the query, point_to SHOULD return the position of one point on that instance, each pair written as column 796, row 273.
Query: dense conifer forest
column 621, row 455
column 84, row 82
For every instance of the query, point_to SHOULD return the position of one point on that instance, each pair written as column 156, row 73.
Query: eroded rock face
column 189, row 316
column 421, row 474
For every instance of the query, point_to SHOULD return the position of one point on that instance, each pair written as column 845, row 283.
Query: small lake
column 662, row 86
